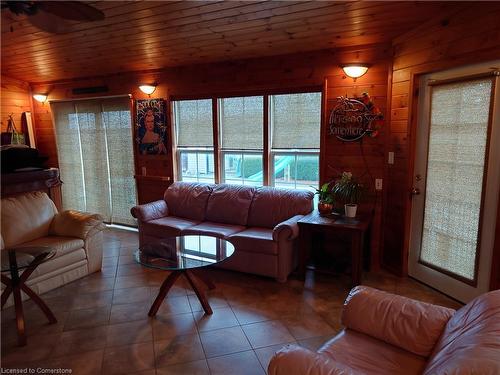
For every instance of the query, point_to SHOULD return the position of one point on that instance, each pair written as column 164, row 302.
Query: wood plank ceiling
column 154, row 34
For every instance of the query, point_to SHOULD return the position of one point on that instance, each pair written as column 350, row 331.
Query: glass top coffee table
column 25, row 259
column 184, row 255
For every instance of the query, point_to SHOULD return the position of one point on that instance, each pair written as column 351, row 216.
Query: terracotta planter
column 325, row 208
column 350, row 210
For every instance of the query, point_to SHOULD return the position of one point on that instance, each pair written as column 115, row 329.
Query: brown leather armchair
column 389, row 334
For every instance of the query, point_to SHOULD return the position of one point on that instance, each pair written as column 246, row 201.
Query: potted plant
column 325, row 204
column 348, row 191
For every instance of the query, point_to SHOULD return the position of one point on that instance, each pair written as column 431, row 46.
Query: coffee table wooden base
column 193, row 281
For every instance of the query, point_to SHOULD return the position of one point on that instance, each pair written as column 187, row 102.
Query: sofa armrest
column 406, row 323
column 150, row 211
column 288, row 228
column 295, row 360
column 76, row 224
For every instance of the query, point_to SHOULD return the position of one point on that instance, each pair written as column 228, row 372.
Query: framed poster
column 151, row 127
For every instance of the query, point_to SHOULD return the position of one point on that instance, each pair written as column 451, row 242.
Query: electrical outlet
column 378, row 184
column 391, row 158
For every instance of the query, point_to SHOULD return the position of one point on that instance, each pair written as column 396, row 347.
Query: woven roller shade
column 194, row 123
column 241, row 123
column 457, row 148
column 296, row 120
column 94, row 144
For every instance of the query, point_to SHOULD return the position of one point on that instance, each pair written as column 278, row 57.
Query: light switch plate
column 378, row 184
column 391, row 158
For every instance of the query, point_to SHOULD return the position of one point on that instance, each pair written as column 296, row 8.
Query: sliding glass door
column 94, row 145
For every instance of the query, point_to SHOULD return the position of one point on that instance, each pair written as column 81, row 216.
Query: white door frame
column 447, row 284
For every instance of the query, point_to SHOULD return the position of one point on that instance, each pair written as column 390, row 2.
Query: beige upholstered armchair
column 32, row 219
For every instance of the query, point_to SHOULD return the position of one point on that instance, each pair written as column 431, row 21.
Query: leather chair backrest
column 26, row 217
column 188, row 199
column 271, row 206
column 229, row 204
column 470, row 343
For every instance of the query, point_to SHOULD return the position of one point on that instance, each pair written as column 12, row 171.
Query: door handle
column 415, row 191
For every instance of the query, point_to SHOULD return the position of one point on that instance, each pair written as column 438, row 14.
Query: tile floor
column 103, row 327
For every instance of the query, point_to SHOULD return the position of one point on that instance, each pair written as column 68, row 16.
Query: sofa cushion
column 166, row 226
column 63, row 245
column 470, row 342
column 254, row 239
column 214, row 229
column 270, row 206
column 367, row 355
column 26, row 217
column 229, row 204
column 188, row 200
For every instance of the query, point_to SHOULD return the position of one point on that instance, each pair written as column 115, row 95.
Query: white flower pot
column 350, row 210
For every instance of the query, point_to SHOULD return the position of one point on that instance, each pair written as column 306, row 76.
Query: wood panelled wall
column 15, row 99
column 468, row 35
column 247, row 76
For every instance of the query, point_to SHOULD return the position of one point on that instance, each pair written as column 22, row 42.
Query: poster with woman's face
column 151, row 127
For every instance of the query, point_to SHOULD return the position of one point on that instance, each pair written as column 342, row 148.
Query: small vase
column 350, row 210
column 325, row 208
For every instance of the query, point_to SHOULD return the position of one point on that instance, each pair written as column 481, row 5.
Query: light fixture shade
column 40, row 97
column 147, row 89
column 354, row 71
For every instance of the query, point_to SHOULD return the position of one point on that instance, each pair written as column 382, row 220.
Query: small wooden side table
column 25, row 259
column 314, row 223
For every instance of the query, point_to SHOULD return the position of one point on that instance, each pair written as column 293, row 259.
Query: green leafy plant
column 347, row 189
column 325, row 193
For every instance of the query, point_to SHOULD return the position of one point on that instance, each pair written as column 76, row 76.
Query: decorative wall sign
column 151, row 127
column 353, row 118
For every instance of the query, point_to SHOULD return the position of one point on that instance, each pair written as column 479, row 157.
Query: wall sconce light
column 40, row 97
column 355, row 70
column 148, row 89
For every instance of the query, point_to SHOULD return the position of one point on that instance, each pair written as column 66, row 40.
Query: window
column 241, row 152
column 193, row 121
column 241, row 139
column 94, row 147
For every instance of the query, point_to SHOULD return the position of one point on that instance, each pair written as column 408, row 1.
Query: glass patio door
column 456, row 182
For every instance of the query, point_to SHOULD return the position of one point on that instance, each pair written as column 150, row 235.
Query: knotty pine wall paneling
column 15, row 99
column 468, row 35
column 286, row 72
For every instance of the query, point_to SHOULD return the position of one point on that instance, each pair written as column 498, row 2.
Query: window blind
column 457, row 149
column 241, row 123
column 194, row 123
column 295, row 120
column 94, row 144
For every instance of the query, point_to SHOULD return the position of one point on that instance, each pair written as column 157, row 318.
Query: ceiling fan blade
column 72, row 10
column 49, row 23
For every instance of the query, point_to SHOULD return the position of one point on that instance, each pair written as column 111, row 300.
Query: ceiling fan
column 53, row 16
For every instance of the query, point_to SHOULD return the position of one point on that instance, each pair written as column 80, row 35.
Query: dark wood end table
column 184, row 255
column 27, row 259
column 315, row 223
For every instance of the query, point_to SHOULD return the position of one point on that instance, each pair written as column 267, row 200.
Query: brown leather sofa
column 261, row 222
column 389, row 334
column 32, row 219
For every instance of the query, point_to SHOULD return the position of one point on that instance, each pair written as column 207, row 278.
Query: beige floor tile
column 87, row 318
column 38, row 348
column 258, row 312
column 165, row 327
column 224, row 341
column 88, row 363
column 307, row 325
column 131, row 281
column 178, row 349
column 129, row 333
column 92, row 300
column 199, row 367
column 128, row 359
column 128, row 312
column 80, row 341
column 243, row 363
column 215, row 301
column 264, row 354
column 132, row 295
column 221, row 318
column 267, row 333
column 173, row 305
column 131, row 269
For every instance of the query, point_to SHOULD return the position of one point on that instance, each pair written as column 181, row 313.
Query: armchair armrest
column 150, row 211
column 295, row 360
column 76, row 224
column 288, row 228
column 406, row 323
